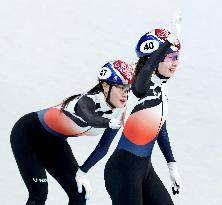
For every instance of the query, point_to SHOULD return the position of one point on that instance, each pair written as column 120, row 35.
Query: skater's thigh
column 62, row 165
column 123, row 186
column 32, row 172
column 154, row 191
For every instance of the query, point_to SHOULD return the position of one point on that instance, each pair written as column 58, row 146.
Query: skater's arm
column 164, row 144
column 142, row 81
column 101, row 149
column 85, row 108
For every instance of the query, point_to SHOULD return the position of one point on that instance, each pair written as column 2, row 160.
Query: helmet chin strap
column 108, row 96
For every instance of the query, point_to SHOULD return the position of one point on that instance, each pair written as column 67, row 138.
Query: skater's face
column 118, row 94
column 169, row 65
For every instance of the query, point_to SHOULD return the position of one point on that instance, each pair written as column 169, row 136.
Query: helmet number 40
column 149, row 46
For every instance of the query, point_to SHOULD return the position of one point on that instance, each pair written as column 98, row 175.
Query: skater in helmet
column 129, row 175
column 39, row 139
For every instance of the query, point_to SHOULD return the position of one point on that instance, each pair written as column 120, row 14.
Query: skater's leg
column 31, row 169
column 123, row 179
column 62, row 165
column 154, row 192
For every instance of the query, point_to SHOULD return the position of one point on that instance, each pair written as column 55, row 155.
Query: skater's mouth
column 122, row 101
column 172, row 70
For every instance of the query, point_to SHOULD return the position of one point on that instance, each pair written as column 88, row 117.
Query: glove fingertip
column 87, row 197
column 80, row 189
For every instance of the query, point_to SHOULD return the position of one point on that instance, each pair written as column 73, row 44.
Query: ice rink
column 51, row 49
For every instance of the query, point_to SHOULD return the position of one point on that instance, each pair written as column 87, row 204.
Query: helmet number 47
column 103, row 72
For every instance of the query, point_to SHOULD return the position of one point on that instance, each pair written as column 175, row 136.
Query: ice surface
column 50, row 49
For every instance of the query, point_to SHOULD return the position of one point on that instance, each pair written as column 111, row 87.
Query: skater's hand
column 81, row 180
column 115, row 123
column 175, row 177
column 175, row 27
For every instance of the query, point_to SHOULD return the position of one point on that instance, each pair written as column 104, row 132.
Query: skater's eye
column 123, row 88
column 171, row 57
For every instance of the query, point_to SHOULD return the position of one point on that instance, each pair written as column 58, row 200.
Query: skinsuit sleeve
column 85, row 108
column 100, row 150
column 142, row 81
column 164, row 144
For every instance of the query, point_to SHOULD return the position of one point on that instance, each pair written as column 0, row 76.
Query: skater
column 39, row 139
column 129, row 175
